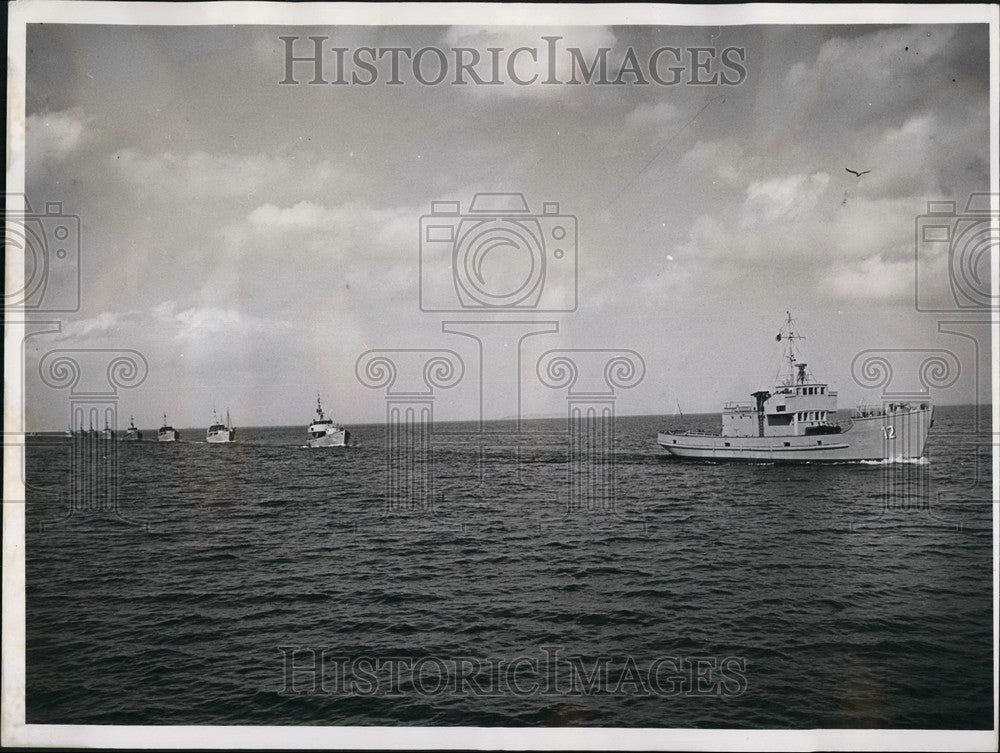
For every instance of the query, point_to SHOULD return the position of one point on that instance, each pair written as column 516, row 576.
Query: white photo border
column 15, row 732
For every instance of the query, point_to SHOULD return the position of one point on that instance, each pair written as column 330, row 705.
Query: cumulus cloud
column 861, row 251
column 352, row 225
column 721, row 159
column 200, row 175
column 53, row 136
column 865, row 77
column 304, row 215
column 589, row 39
column 652, row 115
column 169, row 321
column 871, row 279
column 786, row 199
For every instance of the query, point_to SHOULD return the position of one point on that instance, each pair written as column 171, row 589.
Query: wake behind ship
column 792, row 424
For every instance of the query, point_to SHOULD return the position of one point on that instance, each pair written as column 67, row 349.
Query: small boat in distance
column 220, row 432
column 107, row 432
column 792, row 424
column 132, row 434
column 166, row 433
column 323, row 432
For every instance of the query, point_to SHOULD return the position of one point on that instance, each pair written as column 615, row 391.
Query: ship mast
column 319, row 407
column 790, row 336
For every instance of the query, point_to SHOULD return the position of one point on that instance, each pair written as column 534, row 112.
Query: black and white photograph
column 499, row 376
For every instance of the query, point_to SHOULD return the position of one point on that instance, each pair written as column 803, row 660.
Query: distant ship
column 323, row 432
column 791, row 424
column 166, row 433
column 106, row 432
column 132, row 434
column 220, row 432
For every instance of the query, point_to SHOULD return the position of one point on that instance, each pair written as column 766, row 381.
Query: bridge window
column 788, row 444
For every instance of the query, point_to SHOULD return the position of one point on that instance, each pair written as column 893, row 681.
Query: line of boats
column 789, row 422
column 322, row 431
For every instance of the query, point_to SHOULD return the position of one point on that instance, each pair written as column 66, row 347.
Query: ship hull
column 890, row 436
column 167, row 436
column 336, row 438
column 132, row 436
column 221, row 437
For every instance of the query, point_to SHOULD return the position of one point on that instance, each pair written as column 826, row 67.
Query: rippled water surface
column 856, row 595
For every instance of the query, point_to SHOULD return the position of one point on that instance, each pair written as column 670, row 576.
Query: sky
column 252, row 239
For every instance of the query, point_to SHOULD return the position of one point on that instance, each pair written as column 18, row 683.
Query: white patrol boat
column 220, row 432
column 132, row 433
column 794, row 424
column 323, row 432
column 166, row 433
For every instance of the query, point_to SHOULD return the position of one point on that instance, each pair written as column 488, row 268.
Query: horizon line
column 507, row 419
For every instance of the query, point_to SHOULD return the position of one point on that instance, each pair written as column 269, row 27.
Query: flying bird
column 855, row 172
